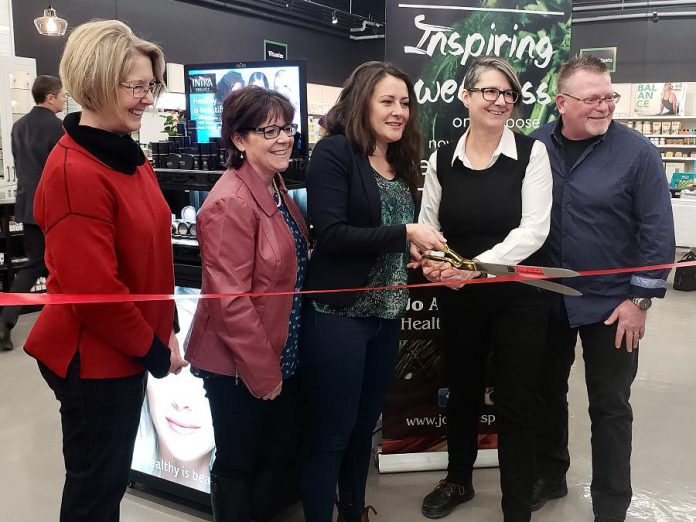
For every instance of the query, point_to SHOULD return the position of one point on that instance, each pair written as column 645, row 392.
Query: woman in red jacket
column 252, row 239
column 107, row 231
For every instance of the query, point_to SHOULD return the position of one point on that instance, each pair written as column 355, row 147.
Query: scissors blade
column 497, row 269
column 553, row 287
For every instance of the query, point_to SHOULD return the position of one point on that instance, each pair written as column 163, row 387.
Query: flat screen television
column 207, row 85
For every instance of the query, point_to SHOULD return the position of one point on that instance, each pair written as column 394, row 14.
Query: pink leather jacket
column 246, row 246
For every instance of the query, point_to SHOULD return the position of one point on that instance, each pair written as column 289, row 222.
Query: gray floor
column 664, row 461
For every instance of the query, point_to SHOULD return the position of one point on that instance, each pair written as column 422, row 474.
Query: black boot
column 363, row 517
column 231, row 499
column 5, row 337
column 546, row 489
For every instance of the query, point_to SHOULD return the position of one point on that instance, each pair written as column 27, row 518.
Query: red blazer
column 106, row 233
column 246, row 246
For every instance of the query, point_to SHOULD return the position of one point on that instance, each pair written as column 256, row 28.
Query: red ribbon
column 16, row 299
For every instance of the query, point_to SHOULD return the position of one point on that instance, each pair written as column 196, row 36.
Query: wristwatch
column 643, row 303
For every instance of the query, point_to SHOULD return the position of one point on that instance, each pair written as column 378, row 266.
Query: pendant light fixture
column 50, row 24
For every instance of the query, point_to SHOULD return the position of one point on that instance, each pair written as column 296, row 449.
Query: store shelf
column 665, row 146
column 665, row 117
column 664, row 158
column 675, row 136
column 184, row 242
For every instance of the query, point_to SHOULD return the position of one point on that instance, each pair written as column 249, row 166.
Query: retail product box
column 673, row 168
column 676, row 125
column 656, row 127
column 682, row 179
column 666, row 127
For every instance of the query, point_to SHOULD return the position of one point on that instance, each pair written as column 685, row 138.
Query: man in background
column 611, row 209
column 33, row 137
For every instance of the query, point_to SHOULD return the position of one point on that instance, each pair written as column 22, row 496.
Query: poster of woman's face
column 175, row 439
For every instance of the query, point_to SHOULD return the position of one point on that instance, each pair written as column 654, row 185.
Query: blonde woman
column 107, row 231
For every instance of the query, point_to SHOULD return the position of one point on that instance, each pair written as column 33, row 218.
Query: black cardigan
column 345, row 212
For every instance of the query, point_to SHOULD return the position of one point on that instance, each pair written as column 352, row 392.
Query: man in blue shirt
column 611, row 209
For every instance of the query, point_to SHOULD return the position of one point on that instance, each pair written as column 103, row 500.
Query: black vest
column 479, row 208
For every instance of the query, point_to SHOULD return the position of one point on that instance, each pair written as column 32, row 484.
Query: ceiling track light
column 334, row 18
column 50, row 24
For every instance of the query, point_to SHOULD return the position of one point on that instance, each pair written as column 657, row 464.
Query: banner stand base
column 428, row 461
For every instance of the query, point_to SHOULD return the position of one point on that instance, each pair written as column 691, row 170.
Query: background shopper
column 611, row 210
column 253, row 238
column 490, row 194
column 33, row 137
column 360, row 189
column 107, row 230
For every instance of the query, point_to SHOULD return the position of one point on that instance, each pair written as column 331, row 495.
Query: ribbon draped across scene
column 15, row 299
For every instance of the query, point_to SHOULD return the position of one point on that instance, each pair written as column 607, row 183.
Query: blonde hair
column 97, row 58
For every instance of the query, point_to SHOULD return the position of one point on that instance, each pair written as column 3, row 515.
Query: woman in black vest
column 360, row 190
column 490, row 195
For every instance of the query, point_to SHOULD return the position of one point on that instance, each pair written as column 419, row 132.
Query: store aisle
column 663, row 465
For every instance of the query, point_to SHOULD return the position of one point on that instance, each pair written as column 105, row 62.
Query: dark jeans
column 348, row 364
column 100, row 419
column 254, row 439
column 507, row 323
column 34, row 246
column 608, row 375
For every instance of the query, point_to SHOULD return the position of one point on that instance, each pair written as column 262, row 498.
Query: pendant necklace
column 276, row 194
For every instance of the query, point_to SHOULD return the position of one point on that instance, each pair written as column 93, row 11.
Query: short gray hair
column 484, row 63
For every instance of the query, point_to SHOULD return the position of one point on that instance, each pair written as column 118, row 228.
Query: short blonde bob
column 97, row 58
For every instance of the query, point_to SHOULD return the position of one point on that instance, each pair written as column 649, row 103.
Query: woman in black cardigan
column 360, row 189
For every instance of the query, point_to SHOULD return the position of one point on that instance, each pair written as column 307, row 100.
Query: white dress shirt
column 537, row 198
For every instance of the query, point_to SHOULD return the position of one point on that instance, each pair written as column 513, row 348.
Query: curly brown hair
column 351, row 117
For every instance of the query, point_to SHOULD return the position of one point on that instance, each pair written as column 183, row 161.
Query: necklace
column 276, row 194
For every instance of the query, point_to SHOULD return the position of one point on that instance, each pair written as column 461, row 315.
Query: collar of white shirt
column 507, row 146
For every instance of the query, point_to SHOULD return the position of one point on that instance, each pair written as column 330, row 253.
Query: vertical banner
column 434, row 42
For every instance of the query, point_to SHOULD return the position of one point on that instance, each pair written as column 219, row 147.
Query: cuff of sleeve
column 487, row 257
column 157, row 358
column 175, row 326
column 639, row 291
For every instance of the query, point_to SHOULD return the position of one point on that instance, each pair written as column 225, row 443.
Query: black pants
column 508, row 319
column 100, row 420
column 255, row 440
column 608, row 375
column 349, row 363
column 34, row 246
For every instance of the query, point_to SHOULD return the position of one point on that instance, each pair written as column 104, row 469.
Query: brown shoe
column 360, row 518
column 445, row 497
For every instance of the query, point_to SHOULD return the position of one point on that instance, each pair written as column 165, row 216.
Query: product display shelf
column 672, row 146
column 672, row 158
column 676, row 136
column 654, row 117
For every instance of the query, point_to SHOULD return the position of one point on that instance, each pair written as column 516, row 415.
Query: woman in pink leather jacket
column 253, row 238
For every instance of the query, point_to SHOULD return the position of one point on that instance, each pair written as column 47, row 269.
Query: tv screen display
column 207, row 86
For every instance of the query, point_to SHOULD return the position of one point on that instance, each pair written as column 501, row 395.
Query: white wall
column 6, row 35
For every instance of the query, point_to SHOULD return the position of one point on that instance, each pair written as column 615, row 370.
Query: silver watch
column 643, row 303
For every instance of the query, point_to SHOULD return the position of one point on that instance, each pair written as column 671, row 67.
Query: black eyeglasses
column 140, row 91
column 595, row 100
column 492, row 94
column 273, row 131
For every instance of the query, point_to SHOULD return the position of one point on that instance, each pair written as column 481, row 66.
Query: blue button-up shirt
column 611, row 209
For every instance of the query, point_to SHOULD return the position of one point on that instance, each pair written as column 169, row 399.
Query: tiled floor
column 664, row 462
